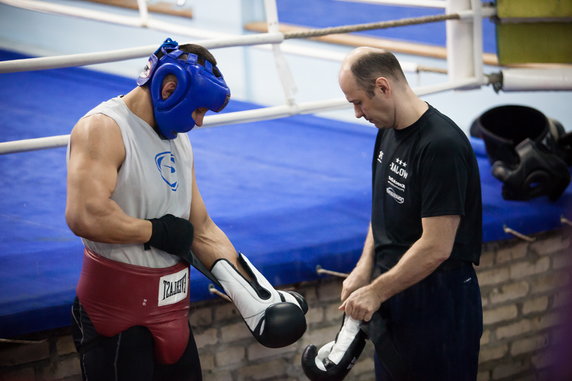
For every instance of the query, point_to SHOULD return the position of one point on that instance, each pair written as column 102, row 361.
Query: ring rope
column 266, row 113
column 373, row 25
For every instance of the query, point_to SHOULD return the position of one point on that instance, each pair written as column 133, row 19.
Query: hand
column 359, row 277
column 362, row 303
column 172, row 234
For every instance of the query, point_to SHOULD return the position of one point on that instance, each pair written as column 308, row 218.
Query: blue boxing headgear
column 199, row 85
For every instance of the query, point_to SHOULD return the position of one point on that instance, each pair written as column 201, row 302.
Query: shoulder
column 442, row 133
column 96, row 126
column 99, row 135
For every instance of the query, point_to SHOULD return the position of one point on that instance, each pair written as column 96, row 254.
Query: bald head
column 366, row 64
column 357, row 53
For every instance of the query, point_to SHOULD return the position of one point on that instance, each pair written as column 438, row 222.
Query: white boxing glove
column 275, row 318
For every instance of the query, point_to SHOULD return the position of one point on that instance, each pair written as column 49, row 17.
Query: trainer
column 415, row 283
column 133, row 198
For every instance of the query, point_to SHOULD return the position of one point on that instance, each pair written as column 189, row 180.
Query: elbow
column 74, row 225
column 442, row 258
column 436, row 253
column 440, row 255
column 77, row 224
column 436, row 249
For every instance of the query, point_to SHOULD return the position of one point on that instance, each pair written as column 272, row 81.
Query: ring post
column 476, row 5
column 460, row 44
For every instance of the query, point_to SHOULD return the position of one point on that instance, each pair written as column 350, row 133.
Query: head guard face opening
column 198, row 86
column 525, row 150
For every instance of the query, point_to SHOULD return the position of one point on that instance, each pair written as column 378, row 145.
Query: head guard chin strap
column 526, row 152
column 199, row 85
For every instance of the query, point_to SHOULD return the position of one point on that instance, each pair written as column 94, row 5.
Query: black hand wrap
column 171, row 234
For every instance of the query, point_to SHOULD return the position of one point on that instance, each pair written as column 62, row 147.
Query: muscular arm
column 423, row 257
column 96, row 154
column 210, row 242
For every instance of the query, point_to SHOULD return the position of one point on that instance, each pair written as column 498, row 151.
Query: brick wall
column 524, row 289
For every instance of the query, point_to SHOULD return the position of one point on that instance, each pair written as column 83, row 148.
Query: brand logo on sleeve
column 173, row 287
column 166, row 164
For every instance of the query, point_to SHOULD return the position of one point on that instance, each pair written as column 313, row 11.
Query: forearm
column 362, row 272
column 367, row 258
column 416, row 264
column 210, row 243
column 106, row 222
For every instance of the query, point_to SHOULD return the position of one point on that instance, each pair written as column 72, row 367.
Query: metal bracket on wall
column 518, row 235
column 321, row 270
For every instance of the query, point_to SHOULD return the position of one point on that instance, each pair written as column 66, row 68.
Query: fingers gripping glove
column 275, row 318
column 335, row 359
column 171, row 234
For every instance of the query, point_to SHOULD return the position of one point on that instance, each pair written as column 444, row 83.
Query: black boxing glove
column 171, row 234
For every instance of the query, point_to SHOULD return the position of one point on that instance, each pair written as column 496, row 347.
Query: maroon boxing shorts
column 117, row 296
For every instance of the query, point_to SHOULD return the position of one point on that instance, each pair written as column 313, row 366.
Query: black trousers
column 128, row 355
column 434, row 328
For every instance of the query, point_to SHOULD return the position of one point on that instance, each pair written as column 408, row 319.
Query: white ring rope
column 72, row 60
column 266, row 113
column 84, row 59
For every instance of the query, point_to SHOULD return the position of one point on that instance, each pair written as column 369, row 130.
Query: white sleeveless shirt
column 155, row 179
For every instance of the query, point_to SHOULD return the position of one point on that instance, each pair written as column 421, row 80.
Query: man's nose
column 358, row 112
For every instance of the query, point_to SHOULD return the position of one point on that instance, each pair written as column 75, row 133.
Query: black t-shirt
column 425, row 170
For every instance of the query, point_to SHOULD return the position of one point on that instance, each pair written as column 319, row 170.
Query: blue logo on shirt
column 166, row 165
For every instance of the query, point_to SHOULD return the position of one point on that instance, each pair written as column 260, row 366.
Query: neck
column 411, row 109
column 138, row 101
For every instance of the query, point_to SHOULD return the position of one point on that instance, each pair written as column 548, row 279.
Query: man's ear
column 382, row 83
column 168, row 89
